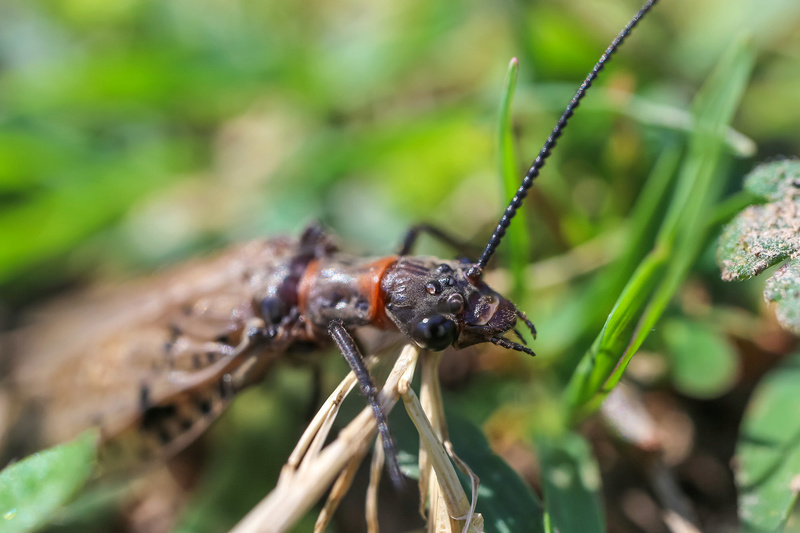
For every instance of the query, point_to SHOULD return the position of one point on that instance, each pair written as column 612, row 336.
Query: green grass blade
column 678, row 244
column 508, row 169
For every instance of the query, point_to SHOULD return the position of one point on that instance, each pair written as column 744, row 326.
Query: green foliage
column 571, row 484
column 34, row 488
column 508, row 167
column 768, row 451
column 762, row 236
column 768, row 446
column 506, row 502
column 681, row 239
column 704, row 364
column 134, row 133
column 783, row 288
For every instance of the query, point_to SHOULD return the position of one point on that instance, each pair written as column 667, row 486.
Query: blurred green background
column 136, row 133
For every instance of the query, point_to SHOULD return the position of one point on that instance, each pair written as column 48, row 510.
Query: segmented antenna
column 476, row 270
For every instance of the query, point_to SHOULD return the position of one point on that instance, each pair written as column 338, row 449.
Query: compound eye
column 435, row 333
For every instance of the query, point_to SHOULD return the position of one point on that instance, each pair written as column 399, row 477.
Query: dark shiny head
column 433, row 303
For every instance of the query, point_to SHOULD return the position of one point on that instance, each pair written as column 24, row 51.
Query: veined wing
column 110, row 358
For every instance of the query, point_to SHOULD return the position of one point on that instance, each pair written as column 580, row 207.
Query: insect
column 164, row 357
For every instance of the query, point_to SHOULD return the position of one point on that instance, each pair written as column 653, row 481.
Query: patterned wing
column 153, row 363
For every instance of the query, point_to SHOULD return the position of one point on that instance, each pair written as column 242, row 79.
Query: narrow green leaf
column 682, row 237
column 714, row 108
column 601, row 358
column 34, row 488
column 518, row 240
column 767, row 460
column 571, row 484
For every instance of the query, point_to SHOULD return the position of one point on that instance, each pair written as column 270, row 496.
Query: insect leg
column 344, row 341
column 413, row 235
column 231, row 358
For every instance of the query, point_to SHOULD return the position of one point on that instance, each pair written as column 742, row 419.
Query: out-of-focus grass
column 137, row 133
column 222, row 121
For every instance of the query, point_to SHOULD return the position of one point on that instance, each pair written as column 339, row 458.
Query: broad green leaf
column 783, row 288
column 767, row 461
column 506, row 502
column 571, row 484
column 704, row 364
column 34, row 488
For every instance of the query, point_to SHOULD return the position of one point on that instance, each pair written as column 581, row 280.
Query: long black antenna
column 476, row 271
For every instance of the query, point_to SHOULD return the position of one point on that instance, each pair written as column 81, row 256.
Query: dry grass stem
column 338, row 491
column 324, row 417
column 450, row 508
column 313, row 466
column 299, row 489
column 372, row 491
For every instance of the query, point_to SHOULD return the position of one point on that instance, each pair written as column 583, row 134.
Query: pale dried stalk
column 432, row 404
column 372, row 491
column 311, row 468
column 299, row 489
column 324, row 417
column 338, row 491
column 450, row 508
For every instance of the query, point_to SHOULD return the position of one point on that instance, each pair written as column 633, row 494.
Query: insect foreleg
column 414, row 233
column 352, row 355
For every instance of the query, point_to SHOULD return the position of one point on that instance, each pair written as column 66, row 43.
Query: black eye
column 435, row 333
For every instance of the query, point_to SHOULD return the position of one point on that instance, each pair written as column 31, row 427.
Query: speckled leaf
column 758, row 238
column 763, row 235
column 767, row 461
column 775, row 180
column 34, row 488
column 571, row 485
column 783, row 288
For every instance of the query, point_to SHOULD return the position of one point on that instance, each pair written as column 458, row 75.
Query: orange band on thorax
column 369, row 284
column 304, row 286
column 367, row 280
